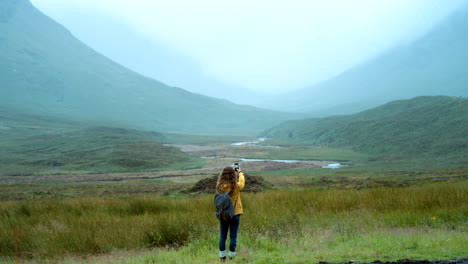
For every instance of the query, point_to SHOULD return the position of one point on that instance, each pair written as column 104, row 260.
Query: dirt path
column 112, row 177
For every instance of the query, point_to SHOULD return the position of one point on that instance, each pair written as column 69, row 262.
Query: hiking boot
column 222, row 259
column 231, row 254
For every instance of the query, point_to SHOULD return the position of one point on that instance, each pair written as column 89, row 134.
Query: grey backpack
column 224, row 207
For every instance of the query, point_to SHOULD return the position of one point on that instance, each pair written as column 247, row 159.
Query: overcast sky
column 267, row 45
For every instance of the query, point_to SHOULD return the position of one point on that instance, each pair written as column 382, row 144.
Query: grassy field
column 48, row 150
column 428, row 221
column 59, row 208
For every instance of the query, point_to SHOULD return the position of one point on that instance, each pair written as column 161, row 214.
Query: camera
column 236, row 165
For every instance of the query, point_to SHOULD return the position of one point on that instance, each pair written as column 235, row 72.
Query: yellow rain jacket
column 235, row 194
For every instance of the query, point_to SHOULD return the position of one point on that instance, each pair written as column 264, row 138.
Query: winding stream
column 252, row 160
column 256, row 143
column 249, row 143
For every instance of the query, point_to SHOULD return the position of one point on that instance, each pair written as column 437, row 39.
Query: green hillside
column 422, row 127
column 45, row 70
column 435, row 64
column 33, row 144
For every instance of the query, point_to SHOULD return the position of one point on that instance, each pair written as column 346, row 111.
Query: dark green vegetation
column 434, row 64
column 45, row 70
column 300, row 226
column 431, row 131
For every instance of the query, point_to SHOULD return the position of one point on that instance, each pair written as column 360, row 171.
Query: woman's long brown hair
column 227, row 176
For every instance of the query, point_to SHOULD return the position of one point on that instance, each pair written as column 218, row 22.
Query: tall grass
column 53, row 229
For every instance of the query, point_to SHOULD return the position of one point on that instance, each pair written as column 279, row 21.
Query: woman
column 230, row 180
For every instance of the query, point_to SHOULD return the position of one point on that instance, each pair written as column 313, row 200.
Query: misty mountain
column 428, row 126
column 46, row 70
column 435, row 64
column 149, row 57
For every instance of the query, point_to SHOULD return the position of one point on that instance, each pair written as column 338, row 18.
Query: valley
column 48, row 158
column 160, row 183
column 304, row 168
column 83, row 193
column 100, row 164
column 76, row 192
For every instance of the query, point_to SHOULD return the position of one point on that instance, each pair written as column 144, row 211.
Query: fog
column 248, row 48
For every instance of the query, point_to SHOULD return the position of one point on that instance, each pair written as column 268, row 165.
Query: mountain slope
column 422, row 126
column 35, row 144
column 146, row 56
column 45, row 70
column 435, row 64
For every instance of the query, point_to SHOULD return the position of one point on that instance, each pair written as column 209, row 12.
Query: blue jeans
column 233, row 225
